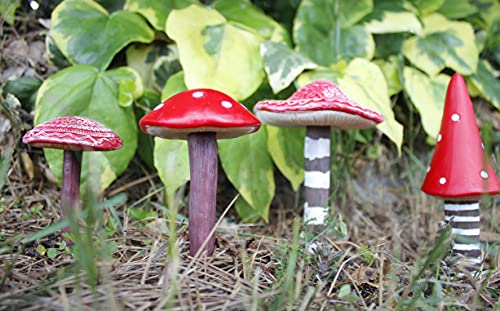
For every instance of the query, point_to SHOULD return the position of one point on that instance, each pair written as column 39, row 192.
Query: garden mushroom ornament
column 200, row 116
column 318, row 106
column 460, row 172
column 74, row 135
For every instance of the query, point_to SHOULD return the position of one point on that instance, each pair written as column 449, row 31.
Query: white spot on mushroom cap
column 428, row 169
column 442, row 180
column 440, row 137
column 159, row 106
column 198, row 94
column 455, row 117
column 484, row 174
column 226, row 104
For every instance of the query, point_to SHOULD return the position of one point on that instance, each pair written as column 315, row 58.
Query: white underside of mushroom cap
column 179, row 133
column 336, row 119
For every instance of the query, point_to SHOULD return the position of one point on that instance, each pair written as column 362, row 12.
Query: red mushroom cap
column 73, row 133
column 199, row 110
column 319, row 103
column 460, row 168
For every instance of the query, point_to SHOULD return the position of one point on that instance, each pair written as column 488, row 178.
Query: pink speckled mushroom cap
column 73, row 133
column 319, row 103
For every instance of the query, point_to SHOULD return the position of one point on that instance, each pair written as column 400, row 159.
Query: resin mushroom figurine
column 200, row 116
column 460, row 172
column 319, row 106
column 74, row 135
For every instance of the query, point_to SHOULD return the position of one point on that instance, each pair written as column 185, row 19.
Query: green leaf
column 489, row 10
column 85, row 91
column 286, row 148
column 141, row 214
column 364, row 82
column 456, row 9
column 443, row 44
column 54, row 55
column 174, row 85
column 282, row 64
column 390, row 16
column 245, row 13
column 426, row 7
column 24, row 88
column 318, row 33
column 389, row 44
column 390, row 70
column 8, row 10
column 86, row 34
column 428, row 95
column 155, row 63
column 248, row 166
column 157, row 11
column 487, row 83
column 172, row 164
column 148, row 101
column 247, row 213
column 52, row 253
column 215, row 53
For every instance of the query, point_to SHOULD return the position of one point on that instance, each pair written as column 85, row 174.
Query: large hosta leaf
column 443, row 43
column 282, row 64
column 286, row 147
column 427, row 94
column 215, row 53
column 365, row 83
column 85, row 91
column 320, row 35
column 487, row 83
column 245, row 13
column 390, row 16
column 248, row 166
column 156, row 11
column 87, row 34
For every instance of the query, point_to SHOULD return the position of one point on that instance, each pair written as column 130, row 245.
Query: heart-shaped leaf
column 248, row 166
column 85, row 91
column 390, row 16
column 215, row 53
column 245, row 13
column 282, row 64
column 428, row 95
column 443, row 43
column 323, row 32
column 487, row 83
column 157, row 11
column 364, row 82
column 286, row 147
column 87, row 34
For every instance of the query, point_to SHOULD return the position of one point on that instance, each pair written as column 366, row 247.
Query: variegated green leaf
column 455, row 9
column 390, row 70
column 487, row 83
column 157, row 11
column 215, row 53
column 282, row 64
column 87, row 34
column 443, row 43
column 389, row 16
column 428, row 95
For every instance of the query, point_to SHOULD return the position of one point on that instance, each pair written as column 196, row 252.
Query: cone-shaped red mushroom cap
column 460, row 168
column 199, row 110
column 73, row 133
column 319, row 103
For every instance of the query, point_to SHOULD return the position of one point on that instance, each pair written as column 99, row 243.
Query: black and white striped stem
column 317, row 176
column 465, row 228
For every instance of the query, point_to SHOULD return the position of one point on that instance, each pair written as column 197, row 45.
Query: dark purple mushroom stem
column 203, row 190
column 70, row 192
column 317, row 177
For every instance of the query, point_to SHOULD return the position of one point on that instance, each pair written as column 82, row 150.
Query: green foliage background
column 117, row 59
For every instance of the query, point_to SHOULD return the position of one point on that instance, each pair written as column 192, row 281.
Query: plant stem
column 317, row 176
column 70, row 192
column 203, row 190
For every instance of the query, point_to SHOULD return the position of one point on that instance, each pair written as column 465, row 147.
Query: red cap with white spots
column 460, row 168
column 319, row 103
column 73, row 133
column 199, row 110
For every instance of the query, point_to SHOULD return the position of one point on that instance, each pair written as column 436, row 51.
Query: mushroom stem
column 317, row 176
column 70, row 193
column 464, row 219
column 203, row 190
